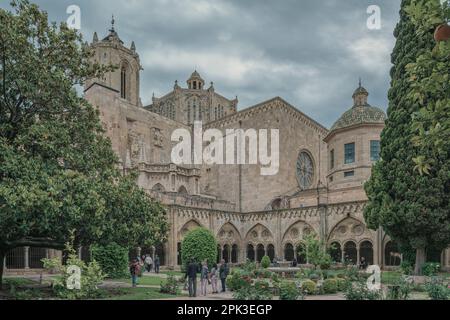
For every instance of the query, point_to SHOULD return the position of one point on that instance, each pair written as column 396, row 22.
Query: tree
column 412, row 208
column 316, row 253
column 58, row 173
column 199, row 244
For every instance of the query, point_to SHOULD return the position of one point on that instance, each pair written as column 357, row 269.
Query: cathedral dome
column 361, row 112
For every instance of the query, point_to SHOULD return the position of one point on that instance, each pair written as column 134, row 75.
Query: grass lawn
column 174, row 273
column 137, row 294
column 146, row 280
column 390, row 277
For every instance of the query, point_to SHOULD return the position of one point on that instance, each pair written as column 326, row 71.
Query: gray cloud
column 309, row 52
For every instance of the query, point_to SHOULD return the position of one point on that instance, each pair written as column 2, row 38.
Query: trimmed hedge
column 199, row 244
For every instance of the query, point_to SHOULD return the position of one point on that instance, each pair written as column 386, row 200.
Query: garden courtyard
column 246, row 282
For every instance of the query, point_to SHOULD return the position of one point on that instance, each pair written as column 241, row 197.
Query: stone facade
column 318, row 188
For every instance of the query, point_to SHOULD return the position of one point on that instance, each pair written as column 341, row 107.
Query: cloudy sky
column 309, row 52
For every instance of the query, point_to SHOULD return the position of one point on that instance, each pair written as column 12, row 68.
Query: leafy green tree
column 412, row 208
column 199, row 244
column 112, row 258
column 58, row 173
column 315, row 251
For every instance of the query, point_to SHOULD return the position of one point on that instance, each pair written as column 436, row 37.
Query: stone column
column 358, row 254
column 4, row 264
column 26, row 257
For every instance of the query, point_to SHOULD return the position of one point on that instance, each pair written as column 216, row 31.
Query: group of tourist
column 139, row 264
column 207, row 277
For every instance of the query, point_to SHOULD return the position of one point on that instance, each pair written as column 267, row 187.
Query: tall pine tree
column 410, row 206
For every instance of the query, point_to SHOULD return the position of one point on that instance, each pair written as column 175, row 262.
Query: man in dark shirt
column 191, row 275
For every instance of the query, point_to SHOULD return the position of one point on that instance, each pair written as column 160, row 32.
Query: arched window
column 260, row 252
column 158, row 188
column 336, row 252
column 123, row 82
column 182, row 190
column 234, row 254
column 226, row 253
column 366, row 252
column 289, row 254
column 251, row 252
column 271, row 252
column 351, row 253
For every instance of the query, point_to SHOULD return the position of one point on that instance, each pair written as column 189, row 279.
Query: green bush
column 359, row 291
column 170, row 286
column 330, row 286
column 400, row 289
column 199, row 244
column 437, row 290
column 259, row 291
column 265, row 262
column 112, row 258
column 431, row 269
column 238, row 280
column 249, row 266
column 341, row 284
column 406, row 267
column 289, row 291
column 91, row 277
column 309, row 287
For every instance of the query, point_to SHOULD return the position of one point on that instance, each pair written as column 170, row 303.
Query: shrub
column 352, row 273
column 259, row 291
column 341, row 284
column 91, row 277
column 249, row 266
column 265, row 262
column 330, row 286
column 238, row 280
column 406, row 267
column 289, row 291
column 112, row 258
column 401, row 289
column 431, row 269
column 170, row 286
column 437, row 290
column 309, row 287
column 314, row 277
column 199, row 244
column 359, row 291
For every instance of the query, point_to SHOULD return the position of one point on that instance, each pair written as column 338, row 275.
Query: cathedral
column 317, row 190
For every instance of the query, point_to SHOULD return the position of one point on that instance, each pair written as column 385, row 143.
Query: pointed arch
column 182, row 190
column 258, row 233
column 187, row 227
column 158, row 188
column 297, row 231
column 229, row 233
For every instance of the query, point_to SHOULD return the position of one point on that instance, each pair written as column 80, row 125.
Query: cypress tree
column 410, row 206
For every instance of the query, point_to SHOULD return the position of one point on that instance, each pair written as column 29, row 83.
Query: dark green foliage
column 431, row 269
column 412, row 207
column 112, row 258
column 199, row 244
column 330, row 286
column 289, row 291
column 58, row 172
column 170, row 286
column 437, row 290
column 265, row 262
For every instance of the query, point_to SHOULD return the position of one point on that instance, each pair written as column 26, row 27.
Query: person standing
column 223, row 273
column 134, row 271
column 204, row 277
column 191, row 276
column 148, row 263
column 157, row 264
column 213, row 278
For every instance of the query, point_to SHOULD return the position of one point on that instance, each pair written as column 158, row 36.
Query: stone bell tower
column 124, row 80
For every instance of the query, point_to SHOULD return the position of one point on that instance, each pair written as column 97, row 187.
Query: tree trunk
column 2, row 261
column 420, row 260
